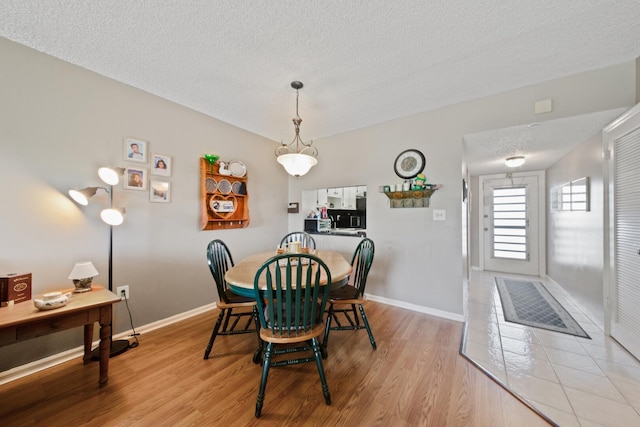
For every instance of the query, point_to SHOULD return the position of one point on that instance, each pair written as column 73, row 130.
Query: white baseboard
column 56, row 359
column 74, row 353
column 420, row 309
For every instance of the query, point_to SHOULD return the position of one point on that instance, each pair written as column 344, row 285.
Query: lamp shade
column 110, row 176
column 83, row 270
column 82, row 196
column 514, row 162
column 297, row 164
column 112, row 216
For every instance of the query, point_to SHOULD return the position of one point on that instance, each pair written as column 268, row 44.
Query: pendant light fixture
column 297, row 157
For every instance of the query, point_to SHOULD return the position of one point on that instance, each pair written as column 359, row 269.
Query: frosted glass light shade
column 514, row 162
column 297, row 164
column 113, row 216
column 82, row 196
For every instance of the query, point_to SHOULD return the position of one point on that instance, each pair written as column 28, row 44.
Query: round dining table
column 241, row 276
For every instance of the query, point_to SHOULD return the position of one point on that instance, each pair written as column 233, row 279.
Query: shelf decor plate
column 211, row 185
column 236, row 187
column 224, row 186
column 237, row 168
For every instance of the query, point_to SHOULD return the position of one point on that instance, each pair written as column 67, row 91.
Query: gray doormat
column 529, row 303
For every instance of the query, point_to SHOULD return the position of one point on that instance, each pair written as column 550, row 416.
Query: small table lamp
column 82, row 275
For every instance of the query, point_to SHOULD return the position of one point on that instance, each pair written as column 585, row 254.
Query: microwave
column 317, row 225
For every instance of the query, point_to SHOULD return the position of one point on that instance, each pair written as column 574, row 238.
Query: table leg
column 105, row 344
column 88, row 338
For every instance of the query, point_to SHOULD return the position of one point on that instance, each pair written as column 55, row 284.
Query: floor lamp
column 113, row 217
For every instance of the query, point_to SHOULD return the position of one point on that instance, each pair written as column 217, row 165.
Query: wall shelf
column 224, row 200
column 411, row 198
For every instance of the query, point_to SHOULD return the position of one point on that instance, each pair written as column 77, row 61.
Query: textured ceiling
column 541, row 143
column 362, row 62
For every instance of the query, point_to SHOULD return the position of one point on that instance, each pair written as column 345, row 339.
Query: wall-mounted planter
column 411, row 198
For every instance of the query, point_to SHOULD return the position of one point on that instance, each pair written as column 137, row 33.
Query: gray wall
column 58, row 124
column 590, row 92
column 419, row 260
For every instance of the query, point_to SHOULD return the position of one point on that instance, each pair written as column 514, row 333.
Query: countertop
column 354, row 232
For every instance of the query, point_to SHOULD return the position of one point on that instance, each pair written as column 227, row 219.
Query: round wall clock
column 409, row 163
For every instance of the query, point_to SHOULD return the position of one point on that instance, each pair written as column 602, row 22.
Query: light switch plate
column 439, row 214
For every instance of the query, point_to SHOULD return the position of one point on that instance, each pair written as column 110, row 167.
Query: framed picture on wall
column 135, row 178
column 135, row 150
column 160, row 165
column 160, row 192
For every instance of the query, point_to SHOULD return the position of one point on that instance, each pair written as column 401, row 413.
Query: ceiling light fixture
column 514, row 162
column 297, row 157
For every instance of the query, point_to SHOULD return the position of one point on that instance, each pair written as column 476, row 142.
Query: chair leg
column 355, row 314
column 317, row 354
column 257, row 356
column 216, row 328
column 263, row 380
column 366, row 324
column 327, row 328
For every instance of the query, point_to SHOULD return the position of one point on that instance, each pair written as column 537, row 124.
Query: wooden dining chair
column 220, row 260
column 343, row 301
column 291, row 312
column 305, row 239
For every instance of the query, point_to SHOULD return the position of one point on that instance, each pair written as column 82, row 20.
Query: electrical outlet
column 123, row 292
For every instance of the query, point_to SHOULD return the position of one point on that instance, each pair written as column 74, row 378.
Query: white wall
column 58, row 124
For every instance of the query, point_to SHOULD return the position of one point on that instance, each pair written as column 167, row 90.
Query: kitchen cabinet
column 321, row 198
column 361, row 191
column 349, row 198
column 334, row 192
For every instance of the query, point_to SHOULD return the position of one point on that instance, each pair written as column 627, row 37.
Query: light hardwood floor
column 415, row 378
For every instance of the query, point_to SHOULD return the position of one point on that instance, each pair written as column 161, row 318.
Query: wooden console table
column 23, row 321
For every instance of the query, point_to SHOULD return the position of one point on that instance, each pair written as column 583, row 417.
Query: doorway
column 512, row 223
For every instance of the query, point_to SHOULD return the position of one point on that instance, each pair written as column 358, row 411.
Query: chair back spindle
column 305, row 239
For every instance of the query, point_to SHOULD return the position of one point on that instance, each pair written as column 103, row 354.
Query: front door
column 510, row 224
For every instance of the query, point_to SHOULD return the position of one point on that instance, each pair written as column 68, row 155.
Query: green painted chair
column 343, row 301
column 220, row 260
column 291, row 313
column 305, row 239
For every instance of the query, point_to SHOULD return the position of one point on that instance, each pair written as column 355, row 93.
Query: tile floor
column 573, row 381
